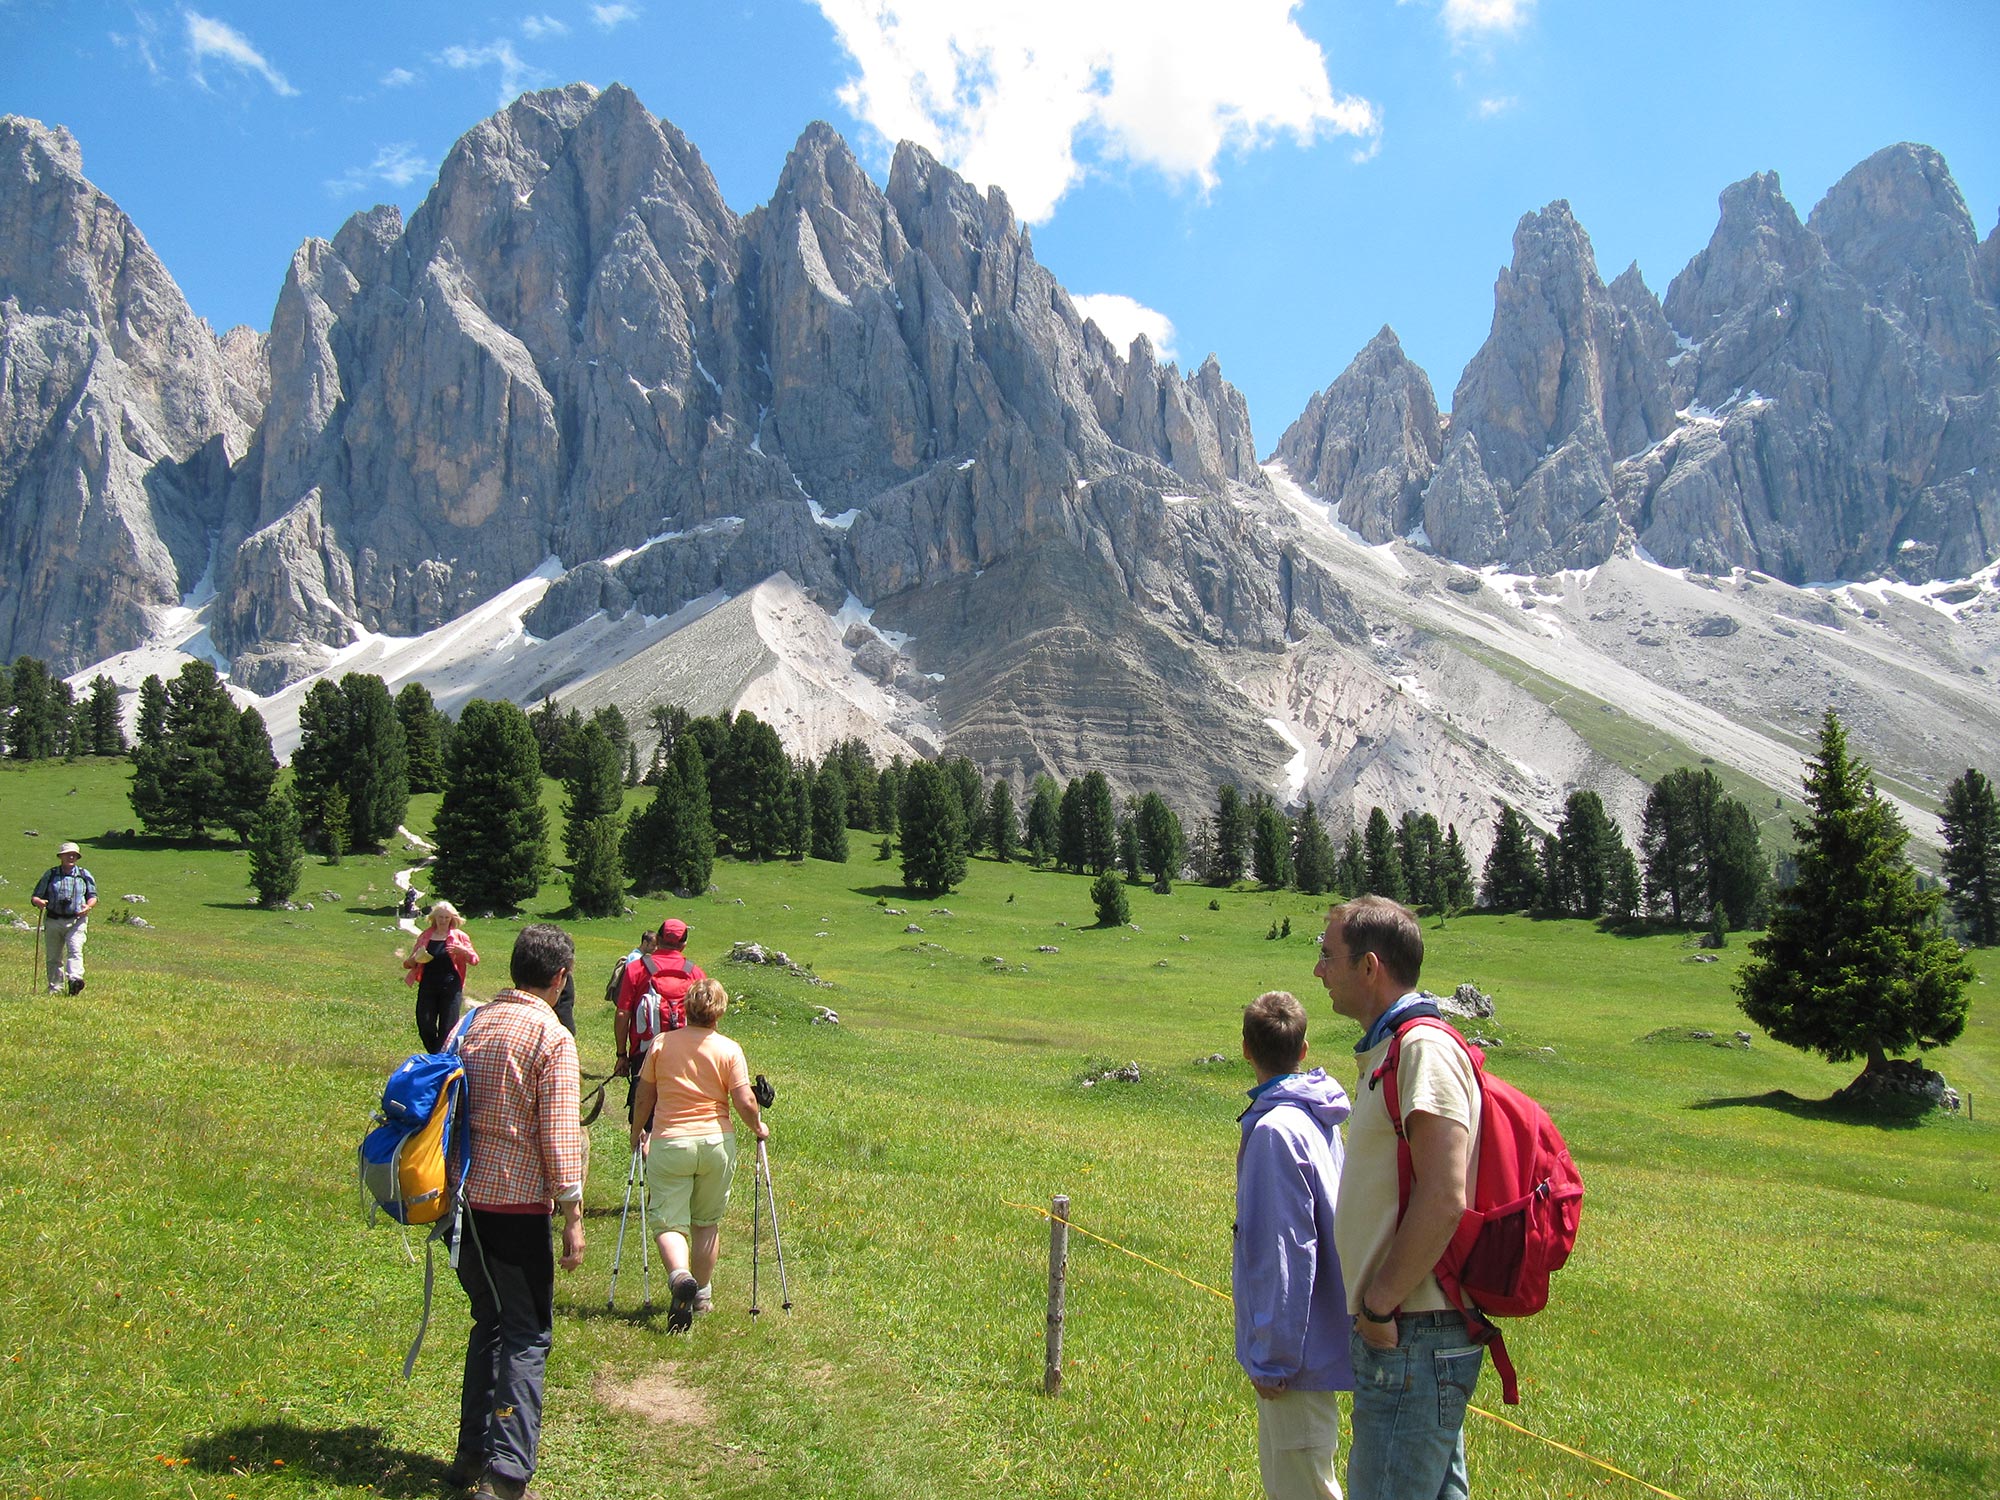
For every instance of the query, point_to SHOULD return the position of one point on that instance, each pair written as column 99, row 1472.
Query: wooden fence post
column 1058, row 1276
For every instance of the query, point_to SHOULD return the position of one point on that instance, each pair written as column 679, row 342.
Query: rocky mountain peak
column 1369, row 443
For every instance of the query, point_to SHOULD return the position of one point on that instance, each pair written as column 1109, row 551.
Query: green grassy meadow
column 1768, row 1299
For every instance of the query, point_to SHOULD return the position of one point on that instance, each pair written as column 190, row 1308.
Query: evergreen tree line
column 1415, row 860
column 200, row 764
column 45, row 720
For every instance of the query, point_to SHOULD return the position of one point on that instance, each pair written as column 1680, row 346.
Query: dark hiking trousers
column 440, row 997
column 500, row 1407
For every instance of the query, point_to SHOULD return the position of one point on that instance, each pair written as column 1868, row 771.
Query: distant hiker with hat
column 65, row 894
column 652, row 1000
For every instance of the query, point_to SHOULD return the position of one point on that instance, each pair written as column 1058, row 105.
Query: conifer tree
column 249, row 771
column 889, row 797
column 491, row 833
column 107, row 728
column 670, row 844
column 1161, row 844
column 33, row 732
column 597, row 874
column 1673, row 842
column 1971, row 822
column 1100, row 824
column 1512, row 879
column 798, row 810
column 1594, row 857
column 1739, row 877
column 751, row 790
column 1555, row 898
column 1854, row 963
column 1351, row 874
column 1107, row 894
column 829, row 813
column 180, row 782
column 151, row 725
column 277, row 854
column 333, row 821
column 1044, row 820
column 423, row 737
column 1455, row 874
column 72, row 736
column 1313, row 859
column 374, row 762
column 1128, row 842
column 932, row 819
column 1384, row 865
column 593, row 790
column 1003, row 834
column 971, row 788
column 1232, row 833
column 1070, row 848
column 1270, row 843
column 319, row 763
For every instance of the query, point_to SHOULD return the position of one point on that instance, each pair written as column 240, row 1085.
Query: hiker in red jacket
column 652, row 999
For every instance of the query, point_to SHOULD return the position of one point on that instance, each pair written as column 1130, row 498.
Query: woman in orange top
column 680, row 1120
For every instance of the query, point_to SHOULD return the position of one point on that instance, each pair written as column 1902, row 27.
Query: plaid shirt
column 521, row 1075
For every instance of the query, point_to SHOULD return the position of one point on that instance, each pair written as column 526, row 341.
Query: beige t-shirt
column 695, row 1070
column 1435, row 1077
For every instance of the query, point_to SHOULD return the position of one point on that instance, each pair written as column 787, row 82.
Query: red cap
column 673, row 931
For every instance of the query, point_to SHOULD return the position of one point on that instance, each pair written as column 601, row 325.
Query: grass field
column 1768, row 1300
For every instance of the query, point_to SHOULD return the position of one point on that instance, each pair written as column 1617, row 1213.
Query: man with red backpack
column 1415, row 1359
column 1458, row 1200
column 652, row 999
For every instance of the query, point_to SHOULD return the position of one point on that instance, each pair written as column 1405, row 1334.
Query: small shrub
column 1213, row 904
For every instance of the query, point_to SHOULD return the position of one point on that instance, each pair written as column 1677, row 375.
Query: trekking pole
column 41, row 916
column 756, row 1213
column 645, row 1235
column 619, row 1254
column 777, row 1241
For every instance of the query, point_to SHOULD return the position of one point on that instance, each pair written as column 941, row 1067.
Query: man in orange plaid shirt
column 527, row 1161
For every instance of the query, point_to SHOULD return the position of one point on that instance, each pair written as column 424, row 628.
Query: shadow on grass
column 1902, row 1115
column 636, row 1315
column 888, row 892
column 356, row 1456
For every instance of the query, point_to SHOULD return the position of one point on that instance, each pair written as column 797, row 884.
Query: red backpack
column 662, row 1005
column 1521, row 1223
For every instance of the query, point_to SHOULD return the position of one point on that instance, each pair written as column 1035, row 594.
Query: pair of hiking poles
column 761, row 1193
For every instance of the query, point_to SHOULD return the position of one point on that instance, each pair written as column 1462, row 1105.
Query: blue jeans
column 1408, row 1441
column 513, row 1316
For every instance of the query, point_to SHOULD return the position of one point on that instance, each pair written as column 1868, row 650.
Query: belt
column 1448, row 1318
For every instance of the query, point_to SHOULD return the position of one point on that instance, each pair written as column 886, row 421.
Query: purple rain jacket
column 1291, row 1305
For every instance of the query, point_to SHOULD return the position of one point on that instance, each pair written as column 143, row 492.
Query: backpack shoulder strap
column 1386, row 1071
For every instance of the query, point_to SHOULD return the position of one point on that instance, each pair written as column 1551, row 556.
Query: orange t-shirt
column 695, row 1070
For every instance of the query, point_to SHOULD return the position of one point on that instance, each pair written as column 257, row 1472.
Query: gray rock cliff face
column 120, row 413
column 1370, row 442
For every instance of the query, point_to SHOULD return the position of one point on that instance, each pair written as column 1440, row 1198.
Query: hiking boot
column 76, row 986
column 55, row 989
column 499, row 1487
column 465, row 1471
column 680, row 1314
column 704, row 1300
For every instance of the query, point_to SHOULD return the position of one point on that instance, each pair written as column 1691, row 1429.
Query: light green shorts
column 687, row 1180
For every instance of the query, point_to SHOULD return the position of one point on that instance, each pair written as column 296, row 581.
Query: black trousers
column 508, row 1270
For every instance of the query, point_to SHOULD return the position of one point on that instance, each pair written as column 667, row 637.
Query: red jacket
column 672, row 977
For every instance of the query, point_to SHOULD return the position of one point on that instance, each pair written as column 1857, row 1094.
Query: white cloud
column 1481, row 18
column 398, row 78
column 1122, row 319
column 396, row 165
column 1491, row 108
column 145, row 41
column 608, row 16
column 207, row 38
column 534, row 28
column 515, row 75
column 1009, row 94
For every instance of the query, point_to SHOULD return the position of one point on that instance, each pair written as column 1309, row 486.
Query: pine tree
column 593, row 789
column 71, row 736
column 1385, row 866
column 1971, row 822
column 1674, row 841
column 277, row 854
column 1555, row 897
column 1128, row 842
column 1455, row 874
column 32, row 730
column 597, row 874
column 151, row 725
column 1854, row 963
column 965, row 780
column 490, row 830
column 180, row 783
column 829, row 814
column 1044, row 820
column 333, row 821
column 1161, row 845
column 1100, row 824
column 798, row 810
column 932, row 819
column 249, row 771
column 1232, row 832
column 107, row 727
column 889, row 797
column 1351, row 874
column 1270, row 843
column 751, row 790
column 1512, row 879
column 1313, row 858
column 1003, row 834
column 1594, row 857
column 670, row 844
column 423, row 738
column 374, row 762
column 320, row 761
column 1107, row 894
column 1070, row 850
column 1739, row 877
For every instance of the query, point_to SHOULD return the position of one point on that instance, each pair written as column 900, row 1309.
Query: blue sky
column 1274, row 180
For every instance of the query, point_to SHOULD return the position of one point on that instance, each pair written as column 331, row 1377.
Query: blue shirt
column 1385, row 1024
column 67, row 895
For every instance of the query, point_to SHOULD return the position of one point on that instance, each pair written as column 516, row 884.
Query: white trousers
column 62, row 940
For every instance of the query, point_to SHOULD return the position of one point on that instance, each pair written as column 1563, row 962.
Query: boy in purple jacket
column 1291, row 1308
